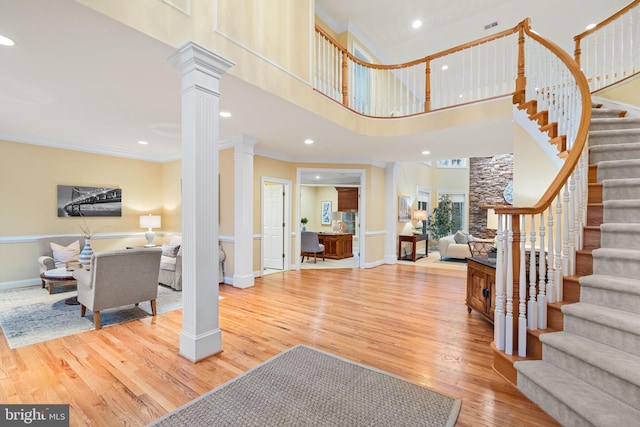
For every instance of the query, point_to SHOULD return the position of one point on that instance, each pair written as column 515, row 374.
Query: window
column 458, row 208
column 424, row 199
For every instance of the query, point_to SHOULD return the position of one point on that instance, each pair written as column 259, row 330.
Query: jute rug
column 30, row 315
column 303, row 386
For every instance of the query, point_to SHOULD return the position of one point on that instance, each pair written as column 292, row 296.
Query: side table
column 413, row 239
column 57, row 275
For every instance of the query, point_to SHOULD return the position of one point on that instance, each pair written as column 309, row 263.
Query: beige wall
column 29, row 176
column 533, row 171
column 627, row 93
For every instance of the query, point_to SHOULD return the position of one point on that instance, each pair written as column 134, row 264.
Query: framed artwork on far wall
column 404, row 209
column 452, row 163
column 325, row 212
column 76, row 200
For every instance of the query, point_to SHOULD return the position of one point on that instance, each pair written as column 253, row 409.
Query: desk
column 413, row 239
column 336, row 245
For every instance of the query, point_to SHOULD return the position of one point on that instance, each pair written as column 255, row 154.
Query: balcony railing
column 610, row 52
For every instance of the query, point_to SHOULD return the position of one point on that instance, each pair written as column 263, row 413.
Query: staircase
column 589, row 374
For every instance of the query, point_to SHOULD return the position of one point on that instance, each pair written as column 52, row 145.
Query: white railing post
column 508, row 345
column 499, row 315
column 522, row 292
column 551, row 291
column 532, row 308
column 542, row 298
column 560, row 266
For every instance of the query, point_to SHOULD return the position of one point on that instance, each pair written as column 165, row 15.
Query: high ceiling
column 76, row 79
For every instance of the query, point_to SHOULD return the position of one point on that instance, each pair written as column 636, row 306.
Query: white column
column 243, row 212
column 201, row 71
column 390, row 214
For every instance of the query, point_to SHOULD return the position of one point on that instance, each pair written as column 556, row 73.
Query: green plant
column 304, row 221
column 441, row 221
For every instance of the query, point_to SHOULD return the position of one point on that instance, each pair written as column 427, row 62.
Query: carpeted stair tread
column 621, row 211
column 607, row 112
column 615, row 362
column 613, row 136
column 606, row 123
column 620, row 235
column 612, row 169
column 616, row 262
column 621, row 151
column 610, row 317
column 622, row 293
column 594, row 406
column 621, row 189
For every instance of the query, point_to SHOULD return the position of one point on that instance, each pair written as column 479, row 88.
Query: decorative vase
column 304, row 228
column 85, row 255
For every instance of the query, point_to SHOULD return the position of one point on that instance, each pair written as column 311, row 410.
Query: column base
column 195, row 348
column 243, row 281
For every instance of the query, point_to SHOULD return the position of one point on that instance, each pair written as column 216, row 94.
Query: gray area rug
column 306, row 387
column 30, row 315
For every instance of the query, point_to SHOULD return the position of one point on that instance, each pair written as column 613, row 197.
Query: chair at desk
column 311, row 245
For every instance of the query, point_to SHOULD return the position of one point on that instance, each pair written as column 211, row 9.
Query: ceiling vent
column 493, row 24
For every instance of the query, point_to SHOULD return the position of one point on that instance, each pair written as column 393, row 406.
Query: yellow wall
column 29, row 176
column 533, row 171
column 627, row 93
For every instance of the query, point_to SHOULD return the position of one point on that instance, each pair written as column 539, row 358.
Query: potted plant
column 304, row 221
column 441, row 221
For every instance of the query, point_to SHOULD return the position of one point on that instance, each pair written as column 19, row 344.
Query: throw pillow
column 64, row 254
column 170, row 251
column 460, row 238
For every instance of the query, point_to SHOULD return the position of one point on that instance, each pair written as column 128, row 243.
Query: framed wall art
column 75, row 200
column 404, row 209
column 452, row 163
column 325, row 212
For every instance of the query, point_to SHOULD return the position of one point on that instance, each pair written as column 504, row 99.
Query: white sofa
column 171, row 266
column 450, row 248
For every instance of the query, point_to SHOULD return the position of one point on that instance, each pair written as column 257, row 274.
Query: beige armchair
column 117, row 278
column 171, row 264
column 45, row 258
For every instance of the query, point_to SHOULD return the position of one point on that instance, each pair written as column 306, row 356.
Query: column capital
column 192, row 56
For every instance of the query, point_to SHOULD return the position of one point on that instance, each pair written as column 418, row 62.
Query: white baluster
column 508, row 345
column 522, row 293
column 542, row 297
column 532, row 306
column 498, row 314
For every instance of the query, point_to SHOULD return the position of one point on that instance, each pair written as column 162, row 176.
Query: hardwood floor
column 407, row 320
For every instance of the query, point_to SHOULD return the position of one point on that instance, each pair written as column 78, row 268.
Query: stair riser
column 594, row 375
column 612, row 299
column 570, row 289
column 591, row 239
column 555, row 318
column 612, row 337
column 584, row 264
column 594, row 215
column 614, row 137
column 621, row 239
column 603, row 112
column 594, row 193
column 612, row 153
column 618, row 172
column 552, row 406
column 624, row 215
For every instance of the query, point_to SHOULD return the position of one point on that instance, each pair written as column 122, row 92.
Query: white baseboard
column 19, row 283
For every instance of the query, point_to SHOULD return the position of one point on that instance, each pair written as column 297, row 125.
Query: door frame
column 286, row 265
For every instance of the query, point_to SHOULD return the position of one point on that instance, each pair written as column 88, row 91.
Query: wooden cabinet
column 336, row 245
column 347, row 199
column 481, row 281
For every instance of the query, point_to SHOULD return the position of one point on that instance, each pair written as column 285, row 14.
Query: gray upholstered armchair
column 45, row 259
column 118, row 278
column 171, row 263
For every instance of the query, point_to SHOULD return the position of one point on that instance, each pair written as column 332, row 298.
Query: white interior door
column 273, row 232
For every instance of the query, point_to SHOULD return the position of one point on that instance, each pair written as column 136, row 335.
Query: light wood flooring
column 408, row 320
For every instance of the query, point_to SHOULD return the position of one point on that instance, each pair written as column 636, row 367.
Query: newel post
column 427, row 94
column 345, row 85
column 577, row 52
column 519, row 96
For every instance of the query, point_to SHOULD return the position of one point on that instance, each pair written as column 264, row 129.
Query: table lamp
column 421, row 216
column 150, row 222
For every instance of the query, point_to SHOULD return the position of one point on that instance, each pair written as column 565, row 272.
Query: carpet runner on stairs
column 590, row 372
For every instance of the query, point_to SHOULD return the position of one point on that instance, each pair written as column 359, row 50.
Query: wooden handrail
column 607, row 21
column 581, row 137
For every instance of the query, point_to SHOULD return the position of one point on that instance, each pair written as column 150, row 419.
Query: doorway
column 276, row 208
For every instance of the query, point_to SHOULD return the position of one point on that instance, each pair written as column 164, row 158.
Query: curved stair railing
column 543, row 80
column 609, row 52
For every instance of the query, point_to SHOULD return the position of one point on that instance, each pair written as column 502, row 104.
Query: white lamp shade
column 492, row 219
column 150, row 221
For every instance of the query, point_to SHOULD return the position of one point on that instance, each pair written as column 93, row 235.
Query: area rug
column 30, row 315
column 303, row 386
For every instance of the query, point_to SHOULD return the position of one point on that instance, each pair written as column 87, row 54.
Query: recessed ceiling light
column 225, row 114
column 417, row 23
column 308, row 141
column 317, row 176
column 426, row 152
column 6, row 41
column 590, row 26
column 143, row 142
column 445, row 67
column 460, row 96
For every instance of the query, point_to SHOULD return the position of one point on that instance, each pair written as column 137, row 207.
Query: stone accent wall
column 488, row 176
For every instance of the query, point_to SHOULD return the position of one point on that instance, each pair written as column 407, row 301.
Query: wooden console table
column 336, row 245
column 481, row 282
column 413, row 239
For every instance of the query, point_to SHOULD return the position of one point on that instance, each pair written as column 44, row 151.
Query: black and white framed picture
column 75, row 200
